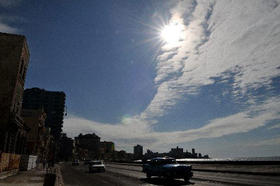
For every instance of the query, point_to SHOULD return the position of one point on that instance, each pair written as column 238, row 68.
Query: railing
column 269, row 168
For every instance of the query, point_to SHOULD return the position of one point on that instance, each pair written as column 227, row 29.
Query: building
column 194, row 154
column 150, row 154
column 35, row 120
column 138, row 152
column 14, row 59
column 106, row 150
column 107, row 147
column 89, row 143
column 52, row 102
column 66, row 147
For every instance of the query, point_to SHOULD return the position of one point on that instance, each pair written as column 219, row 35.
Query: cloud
column 267, row 142
column 132, row 131
column 277, row 126
column 255, row 117
column 5, row 20
column 220, row 38
column 240, row 38
column 6, row 28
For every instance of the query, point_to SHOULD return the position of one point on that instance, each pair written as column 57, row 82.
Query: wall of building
column 14, row 58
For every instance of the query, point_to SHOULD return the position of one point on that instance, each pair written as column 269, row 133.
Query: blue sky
column 211, row 83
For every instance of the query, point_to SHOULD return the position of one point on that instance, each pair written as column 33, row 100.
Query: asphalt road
column 123, row 175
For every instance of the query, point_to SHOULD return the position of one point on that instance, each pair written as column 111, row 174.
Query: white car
column 96, row 166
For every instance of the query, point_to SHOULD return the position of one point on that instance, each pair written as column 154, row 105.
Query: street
column 132, row 175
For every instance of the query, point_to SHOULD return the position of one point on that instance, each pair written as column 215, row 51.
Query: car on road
column 167, row 167
column 75, row 162
column 96, row 166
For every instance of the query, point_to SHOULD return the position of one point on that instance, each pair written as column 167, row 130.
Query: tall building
column 14, row 59
column 193, row 151
column 52, row 102
column 138, row 152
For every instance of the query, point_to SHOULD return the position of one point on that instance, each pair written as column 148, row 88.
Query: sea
column 273, row 158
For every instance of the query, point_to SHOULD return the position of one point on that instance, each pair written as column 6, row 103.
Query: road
column 124, row 175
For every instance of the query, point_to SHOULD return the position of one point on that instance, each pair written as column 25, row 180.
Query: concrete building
column 14, row 59
column 138, row 152
column 52, row 102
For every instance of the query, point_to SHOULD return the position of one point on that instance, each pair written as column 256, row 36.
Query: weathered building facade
column 14, row 59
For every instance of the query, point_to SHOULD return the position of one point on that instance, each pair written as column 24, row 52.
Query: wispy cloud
column 132, row 131
column 219, row 39
column 241, row 37
column 6, row 20
column 267, row 142
column 277, row 126
column 6, row 28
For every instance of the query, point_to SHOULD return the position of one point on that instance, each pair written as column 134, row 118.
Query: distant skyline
column 194, row 74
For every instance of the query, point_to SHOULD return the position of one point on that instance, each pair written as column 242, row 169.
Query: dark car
column 168, row 168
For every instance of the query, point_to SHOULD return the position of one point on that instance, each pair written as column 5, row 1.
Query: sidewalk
column 34, row 177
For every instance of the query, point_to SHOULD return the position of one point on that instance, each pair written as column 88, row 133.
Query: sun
column 172, row 33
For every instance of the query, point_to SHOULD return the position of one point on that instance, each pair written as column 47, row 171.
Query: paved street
column 79, row 176
column 132, row 175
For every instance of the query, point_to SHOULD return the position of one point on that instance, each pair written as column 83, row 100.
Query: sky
column 194, row 73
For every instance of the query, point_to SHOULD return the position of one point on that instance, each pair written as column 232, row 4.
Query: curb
column 6, row 174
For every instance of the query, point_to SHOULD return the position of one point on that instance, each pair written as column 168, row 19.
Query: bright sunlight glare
column 172, row 33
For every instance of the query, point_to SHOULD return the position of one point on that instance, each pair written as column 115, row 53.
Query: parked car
column 96, row 166
column 75, row 162
column 168, row 168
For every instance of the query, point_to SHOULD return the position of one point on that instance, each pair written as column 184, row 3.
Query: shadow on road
column 94, row 172
column 161, row 181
